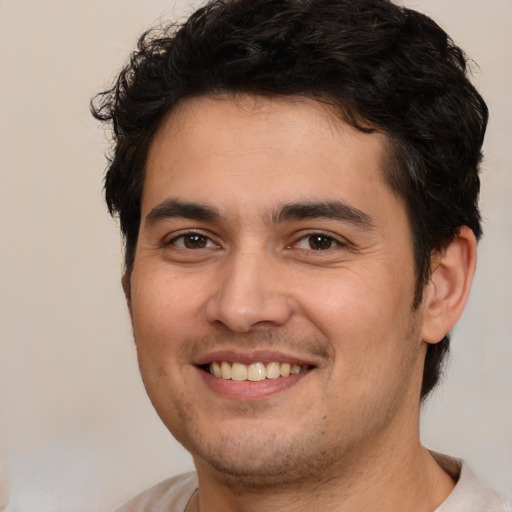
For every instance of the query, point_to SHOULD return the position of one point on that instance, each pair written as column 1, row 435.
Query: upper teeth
column 254, row 372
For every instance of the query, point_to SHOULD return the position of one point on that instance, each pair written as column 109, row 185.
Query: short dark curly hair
column 383, row 67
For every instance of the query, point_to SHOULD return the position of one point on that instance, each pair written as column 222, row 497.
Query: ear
column 127, row 288
column 448, row 289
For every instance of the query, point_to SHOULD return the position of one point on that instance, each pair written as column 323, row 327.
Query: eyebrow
column 172, row 208
column 336, row 210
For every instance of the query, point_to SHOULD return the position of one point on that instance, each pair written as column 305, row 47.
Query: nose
column 250, row 294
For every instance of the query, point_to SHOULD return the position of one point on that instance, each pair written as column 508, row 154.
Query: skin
column 248, row 279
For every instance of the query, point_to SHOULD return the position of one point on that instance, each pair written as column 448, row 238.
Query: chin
column 250, row 463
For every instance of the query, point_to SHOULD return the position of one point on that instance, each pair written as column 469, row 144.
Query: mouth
column 252, row 375
column 254, row 372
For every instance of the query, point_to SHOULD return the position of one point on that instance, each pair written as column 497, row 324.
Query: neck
column 402, row 477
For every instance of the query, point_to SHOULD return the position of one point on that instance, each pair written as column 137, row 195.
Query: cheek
column 358, row 300
column 364, row 316
column 163, row 309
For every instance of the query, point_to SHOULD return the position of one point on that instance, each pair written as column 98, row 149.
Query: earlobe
column 448, row 289
column 127, row 288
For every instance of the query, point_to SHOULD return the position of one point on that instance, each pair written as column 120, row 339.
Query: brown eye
column 317, row 242
column 195, row 241
column 192, row 241
column 320, row 242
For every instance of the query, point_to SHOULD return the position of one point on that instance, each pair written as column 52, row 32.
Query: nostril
column 245, row 312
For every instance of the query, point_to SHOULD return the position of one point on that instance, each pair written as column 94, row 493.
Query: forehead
column 261, row 147
column 204, row 118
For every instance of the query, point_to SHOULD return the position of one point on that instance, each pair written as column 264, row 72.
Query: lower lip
column 248, row 390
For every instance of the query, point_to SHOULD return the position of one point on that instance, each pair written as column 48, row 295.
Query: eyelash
column 189, row 235
column 332, row 241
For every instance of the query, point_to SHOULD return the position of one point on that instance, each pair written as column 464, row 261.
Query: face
column 272, row 290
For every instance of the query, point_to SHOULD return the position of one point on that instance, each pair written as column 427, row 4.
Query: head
column 383, row 68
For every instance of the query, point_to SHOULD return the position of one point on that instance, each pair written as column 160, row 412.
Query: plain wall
column 77, row 432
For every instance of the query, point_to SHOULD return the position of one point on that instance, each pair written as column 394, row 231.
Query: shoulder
column 470, row 494
column 171, row 495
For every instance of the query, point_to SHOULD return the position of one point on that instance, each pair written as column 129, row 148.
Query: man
column 297, row 184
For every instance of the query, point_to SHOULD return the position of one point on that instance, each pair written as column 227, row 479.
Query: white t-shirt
column 469, row 495
column 171, row 495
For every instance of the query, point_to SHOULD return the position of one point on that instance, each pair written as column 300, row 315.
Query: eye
column 192, row 241
column 317, row 242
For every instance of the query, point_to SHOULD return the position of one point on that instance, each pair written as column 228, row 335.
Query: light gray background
column 77, row 432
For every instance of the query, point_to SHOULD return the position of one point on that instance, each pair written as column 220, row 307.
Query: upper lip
column 252, row 356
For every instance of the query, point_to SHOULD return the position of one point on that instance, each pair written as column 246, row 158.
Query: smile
column 254, row 372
